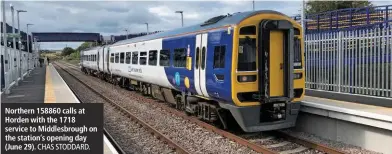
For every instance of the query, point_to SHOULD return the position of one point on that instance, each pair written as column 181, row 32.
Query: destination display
column 38, row 128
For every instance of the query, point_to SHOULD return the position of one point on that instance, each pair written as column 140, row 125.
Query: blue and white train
column 245, row 66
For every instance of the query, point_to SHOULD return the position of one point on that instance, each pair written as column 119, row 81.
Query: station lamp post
column 147, row 27
column 19, row 44
column 182, row 17
column 28, row 46
column 126, row 30
column 13, row 54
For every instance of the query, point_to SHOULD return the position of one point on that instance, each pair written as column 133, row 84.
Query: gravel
column 130, row 136
column 191, row 136
column 338, row 145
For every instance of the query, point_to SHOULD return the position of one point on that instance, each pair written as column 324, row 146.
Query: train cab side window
column 143, row 58
column 122, row 57
column 164, row 58
column 247, row 54
column 152, row 57
column 248, row 30
column 117, row 58
column 112, row 58
column 128, row 58
column 135, row 56
column 179, row 58
column 219, row 56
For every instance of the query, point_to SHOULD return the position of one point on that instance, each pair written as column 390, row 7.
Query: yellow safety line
column 49, row 92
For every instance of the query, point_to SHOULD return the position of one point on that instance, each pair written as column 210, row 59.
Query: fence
column 348, row 19
column 358, row 61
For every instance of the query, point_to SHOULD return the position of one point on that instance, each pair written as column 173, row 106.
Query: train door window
column 247, row 54
column 248, row 30
column 152, row 57
column 122, row 57
column 203, row 58
column 128, row 58
column 135, row 56
column 89, row 57
column 164, row 58
column 143, row 58
column 117, row 58
column 219, row 56
column 112, row 58
column 179, row 58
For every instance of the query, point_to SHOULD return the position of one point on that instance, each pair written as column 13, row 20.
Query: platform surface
column 45, row 85
column 375, row 116
column 30, row 90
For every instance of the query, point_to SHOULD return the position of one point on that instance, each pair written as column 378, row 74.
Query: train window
column 203, row 58
column 197, row 57
column 164, row 58
column 112, row 58
column 117, row 58
column 122, row 57
column 179, row 58
column 143, row 58
column 247, row 54
column 219, row 56
column 135, row 56
column 128, row 58
column 152, row 57
column 248, row 30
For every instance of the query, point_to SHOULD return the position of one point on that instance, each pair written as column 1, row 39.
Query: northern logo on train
column 177, row 78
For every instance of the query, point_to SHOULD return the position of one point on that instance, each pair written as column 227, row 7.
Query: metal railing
column 357, row 61
column 348, row 19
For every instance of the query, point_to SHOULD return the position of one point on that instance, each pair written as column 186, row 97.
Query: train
column 245, row 68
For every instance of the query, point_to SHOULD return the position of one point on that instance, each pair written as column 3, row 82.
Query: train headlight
column 297, row 75
column 246, row 78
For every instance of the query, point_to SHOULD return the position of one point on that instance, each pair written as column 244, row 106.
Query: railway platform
column 354, row 123
column 45, row 85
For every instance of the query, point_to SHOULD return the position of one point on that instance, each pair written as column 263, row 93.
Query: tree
column 324, row 6
column 67, row 51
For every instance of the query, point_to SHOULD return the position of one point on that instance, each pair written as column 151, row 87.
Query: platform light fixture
column 182, row 17
column 147, row 27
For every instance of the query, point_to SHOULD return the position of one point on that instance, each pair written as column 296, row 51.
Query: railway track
column 170, row 142
column 276, row 142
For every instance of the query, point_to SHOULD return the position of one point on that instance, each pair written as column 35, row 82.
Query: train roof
column 215, row 22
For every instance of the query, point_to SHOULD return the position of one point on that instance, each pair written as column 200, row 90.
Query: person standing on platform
column 47, row 59
column 41, row 60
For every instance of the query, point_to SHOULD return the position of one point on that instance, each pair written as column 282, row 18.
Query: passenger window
column 247, row 54
column 179, row 58
column 164, row 58
column 135, row 56
column 248, row 30
column 152, row 57
column 122, row 57
column 143, row 58
column 219, row 56
column 117, row 58
column 128, row 58
column 112, row 58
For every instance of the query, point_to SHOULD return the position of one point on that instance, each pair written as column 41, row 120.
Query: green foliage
column 67, row 51
column 324, row 6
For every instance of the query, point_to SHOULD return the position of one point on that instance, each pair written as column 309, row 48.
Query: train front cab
column 267, row 72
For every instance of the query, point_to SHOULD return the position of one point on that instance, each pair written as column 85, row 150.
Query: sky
column 112, row 17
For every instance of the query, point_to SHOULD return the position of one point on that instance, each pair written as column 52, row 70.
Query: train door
column 103, row 59
column 2, row 73
column 276, row 60
column 108, row 59
column 98, row 58
column 200, row 64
